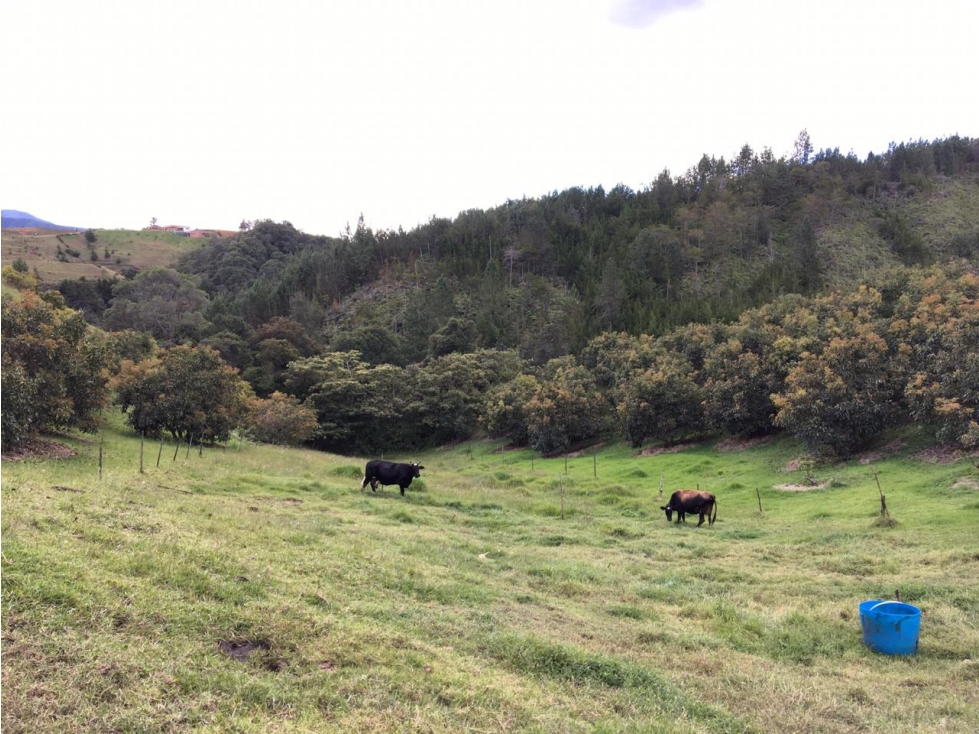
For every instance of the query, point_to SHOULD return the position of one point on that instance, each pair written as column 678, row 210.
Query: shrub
column 280, row 419
column 505, row 412
column 185, row 391
column 55, row 368
column 565, row 409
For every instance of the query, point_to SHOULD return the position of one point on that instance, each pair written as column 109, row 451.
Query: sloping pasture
column 259, row 589
column 138, row 249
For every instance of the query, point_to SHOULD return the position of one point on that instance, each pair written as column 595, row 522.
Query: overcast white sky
column 207, row 112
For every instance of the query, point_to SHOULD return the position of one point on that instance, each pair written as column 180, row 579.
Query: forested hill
column 828, row 296
column 544, row 275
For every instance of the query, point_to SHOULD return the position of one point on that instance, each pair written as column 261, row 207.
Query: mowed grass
column 261, row 590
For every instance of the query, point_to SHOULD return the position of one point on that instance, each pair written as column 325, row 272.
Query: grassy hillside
column 138, row 249
column 260, row 590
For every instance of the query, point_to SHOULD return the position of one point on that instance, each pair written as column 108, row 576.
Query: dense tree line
column 60, row 372
column 835, row 371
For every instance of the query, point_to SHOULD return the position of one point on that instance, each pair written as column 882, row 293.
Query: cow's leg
column 701, row 519
column 402, row 489
column 374, row 485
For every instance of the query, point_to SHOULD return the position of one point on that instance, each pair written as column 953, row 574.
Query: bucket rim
column 896, row 608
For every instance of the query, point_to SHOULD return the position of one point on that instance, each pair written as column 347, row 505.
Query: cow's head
column 417, row 469
column 669, row 512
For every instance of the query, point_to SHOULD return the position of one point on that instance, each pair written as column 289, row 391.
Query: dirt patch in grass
column 735, row 443
column 794, row 464
column 38, row 448
column 576, row 452
column 966, row 483
column 945, row 454
column 657, row 450
column 869, row 457
column 802, row 487
column 241, row 650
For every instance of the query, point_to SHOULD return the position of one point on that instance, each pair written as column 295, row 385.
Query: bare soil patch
column 802, row 487
column 869, row 457
column 945, row 454
column 241, row 650
column 38, row 448
column 735, row 443
column 575, row 450
column 794, row 464
column 966, row 483
column 581, row 452
column 657, row 450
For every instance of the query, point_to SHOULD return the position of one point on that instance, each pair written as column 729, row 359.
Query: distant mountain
column 13, row 218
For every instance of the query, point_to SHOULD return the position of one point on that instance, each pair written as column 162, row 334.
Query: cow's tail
column 713, row 515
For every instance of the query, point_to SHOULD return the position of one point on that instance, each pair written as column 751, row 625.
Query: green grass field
column 261, row 590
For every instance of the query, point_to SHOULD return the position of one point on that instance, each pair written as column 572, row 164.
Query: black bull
column 390, row 472
column 692, row 501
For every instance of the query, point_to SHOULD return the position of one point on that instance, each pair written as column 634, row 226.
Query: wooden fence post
column 142, row 437
column 883, row 500
column 758, row 494
column 160, row 452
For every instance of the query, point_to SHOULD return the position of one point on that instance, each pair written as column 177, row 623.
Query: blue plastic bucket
column 890, row 627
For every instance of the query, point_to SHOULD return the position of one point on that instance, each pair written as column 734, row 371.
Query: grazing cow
column 692, row 501
column 390, row 472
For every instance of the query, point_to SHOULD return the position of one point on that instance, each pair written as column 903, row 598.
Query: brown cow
column 691, row 500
